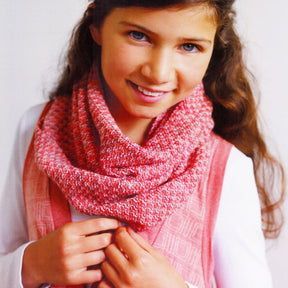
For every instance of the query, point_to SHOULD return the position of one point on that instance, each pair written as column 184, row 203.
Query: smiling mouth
column 149, row 93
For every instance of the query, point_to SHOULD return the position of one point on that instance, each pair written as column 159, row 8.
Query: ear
column 95, row 33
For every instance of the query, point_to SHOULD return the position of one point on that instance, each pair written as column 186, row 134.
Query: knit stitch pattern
column 102, row 172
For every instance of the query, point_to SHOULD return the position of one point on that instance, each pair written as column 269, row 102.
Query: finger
column 91, row 276
column 104, row 284
column 93, row 258
column 84, row 261
column 84, row 276
column 93, row 226
column 139, row 240
column 110, row 272
column 116, row 257
column 95, row 242
column 127, row 244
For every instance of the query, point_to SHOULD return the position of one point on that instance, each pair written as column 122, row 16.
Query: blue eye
column 137, row 35
column 189, row 47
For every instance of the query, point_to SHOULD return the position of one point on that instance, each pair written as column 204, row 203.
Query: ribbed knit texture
column 101, row 172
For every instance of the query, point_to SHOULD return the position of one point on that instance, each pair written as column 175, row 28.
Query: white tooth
column 149, row 93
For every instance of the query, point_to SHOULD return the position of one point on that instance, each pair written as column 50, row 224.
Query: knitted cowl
column 102, row 172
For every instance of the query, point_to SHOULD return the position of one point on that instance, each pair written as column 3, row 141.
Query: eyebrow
column 137, row 26
column 153, row 33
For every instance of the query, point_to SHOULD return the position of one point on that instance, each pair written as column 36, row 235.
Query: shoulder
column 236, row 164
column 26, row 129
column 239, row 182
column 30, row 117
column 239, row 188
column 238, row 161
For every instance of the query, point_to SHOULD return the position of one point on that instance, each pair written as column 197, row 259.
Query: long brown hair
column 226, row 84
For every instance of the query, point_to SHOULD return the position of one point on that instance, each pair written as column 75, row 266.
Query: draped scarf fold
column 102, row 172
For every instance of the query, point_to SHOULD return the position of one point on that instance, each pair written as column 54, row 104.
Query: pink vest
column 185, row 237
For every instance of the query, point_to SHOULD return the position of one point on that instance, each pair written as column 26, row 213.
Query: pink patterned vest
column 185, row 237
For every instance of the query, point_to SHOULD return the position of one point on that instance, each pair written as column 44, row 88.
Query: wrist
column 30, row 276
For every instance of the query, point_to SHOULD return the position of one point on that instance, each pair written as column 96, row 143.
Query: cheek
column 118, row 62
column 192, row 72
column 190, row 78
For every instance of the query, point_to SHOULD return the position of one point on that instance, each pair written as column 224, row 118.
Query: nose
column 159, row 67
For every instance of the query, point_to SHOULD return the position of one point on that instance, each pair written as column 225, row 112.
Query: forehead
column 182, row 17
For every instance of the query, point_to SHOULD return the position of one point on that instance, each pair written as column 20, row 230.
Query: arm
column 32, row 263
column 61, row 257
column 239, row 245
column 14, row 236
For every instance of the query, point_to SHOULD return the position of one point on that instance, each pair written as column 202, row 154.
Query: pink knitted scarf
column 101, row 172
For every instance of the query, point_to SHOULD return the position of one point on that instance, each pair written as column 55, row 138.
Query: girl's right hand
column 63, row 256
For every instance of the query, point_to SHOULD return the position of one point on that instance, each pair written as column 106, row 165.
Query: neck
column 134, row 128
column 136, row 131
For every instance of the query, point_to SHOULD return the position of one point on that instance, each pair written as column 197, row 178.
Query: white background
column 33, row 35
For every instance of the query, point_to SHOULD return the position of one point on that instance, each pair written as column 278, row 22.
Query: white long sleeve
column 13, row 230
column 239, row 247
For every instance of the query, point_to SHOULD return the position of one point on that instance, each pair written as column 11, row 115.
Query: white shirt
column 238, row 244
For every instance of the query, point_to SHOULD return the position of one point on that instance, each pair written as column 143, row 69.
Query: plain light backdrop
column 33, row 35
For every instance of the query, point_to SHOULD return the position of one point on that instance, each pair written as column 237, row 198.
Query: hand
column 63, row 256
column 133, row 262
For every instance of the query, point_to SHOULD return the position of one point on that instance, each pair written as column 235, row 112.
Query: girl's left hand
column 133, row 262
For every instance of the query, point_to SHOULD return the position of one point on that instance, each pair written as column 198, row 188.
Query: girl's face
column 153, row 58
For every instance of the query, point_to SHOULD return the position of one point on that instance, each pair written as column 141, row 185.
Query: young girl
column 127, row 179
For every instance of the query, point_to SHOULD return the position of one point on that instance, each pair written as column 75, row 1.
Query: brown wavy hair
column 227, row 84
